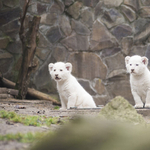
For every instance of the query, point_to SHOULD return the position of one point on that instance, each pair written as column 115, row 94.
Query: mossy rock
column 120, row 109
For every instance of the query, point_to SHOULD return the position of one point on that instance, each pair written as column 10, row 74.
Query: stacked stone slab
column 94, row 35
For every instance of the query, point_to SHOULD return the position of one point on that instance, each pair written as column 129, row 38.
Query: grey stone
column 65, row 25
column 59, row 53
column 74, row 10
column 9, row 15
column 87, row 65
column 121, row 31
column 44, row 29
column 98, row 9
column 6, row 60
column 128, row 12
column 57, row 7
column 98, row 86
column 101, row 99
column 133, row 4
column 46, row 1
column 33, row 8
column 43, row 42
column 68, row 2
column 140, row 24
column 114, row 3
column 87, row 17
column 41, row 8
column 112, row 17
column 110, row 51
column 11, row 26
column 118, row 63
column 49, row 18
column 42, row 53
column 145, row 2
column 54, row 34
column 86, row 86
column 138, row 50
column 145, row 11
column 4, row 41
column 147, row 53
column 11, row 3
column 79, row 28
column 143, row 34
column 126, row 45
column 89, row 3
column 120, row 86
column 101, row 37
column 76, row 42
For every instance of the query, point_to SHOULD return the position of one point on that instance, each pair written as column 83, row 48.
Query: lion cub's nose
column 132, row 70
column 56, row 75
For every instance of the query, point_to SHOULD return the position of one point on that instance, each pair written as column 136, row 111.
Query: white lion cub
column 139, row 80
column 70, row 91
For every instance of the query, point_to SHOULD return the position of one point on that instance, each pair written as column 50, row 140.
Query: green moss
column 120, row 109
column 25, row 138
column 30, row 120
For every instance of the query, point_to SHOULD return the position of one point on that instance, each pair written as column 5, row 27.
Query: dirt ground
column 37, row 107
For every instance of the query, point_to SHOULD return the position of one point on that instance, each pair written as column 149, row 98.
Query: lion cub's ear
column 127, row 58
column 50, row 67
column 145, row 60
column 68, row 66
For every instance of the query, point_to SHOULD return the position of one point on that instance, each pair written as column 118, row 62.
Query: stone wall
column 94, row 35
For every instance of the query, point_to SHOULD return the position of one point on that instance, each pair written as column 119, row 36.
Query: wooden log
column 31, row 92
column 5, row 96
column 3, row 90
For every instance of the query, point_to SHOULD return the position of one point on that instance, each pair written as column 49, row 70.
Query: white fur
column 139, row 80
column 70, row 91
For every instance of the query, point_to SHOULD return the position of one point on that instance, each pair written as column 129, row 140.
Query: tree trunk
column 28, row 40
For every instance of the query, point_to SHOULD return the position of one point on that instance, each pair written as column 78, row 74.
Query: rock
column 145, row 2
column 10, row 3
column 147, row 54
column 79, row 28
column 112, row 17
column 89, row 3
column 98, row 86
column 128, row 12
column 140, row 25
column 115, row 65
column 65, row 25
column 98, row 9
column 86, row 86
column 138, row 50
column 49, row 18
column 133, row 4
column 11, row 26
column 47, row 1
column 44, row 29
column 74, row 10
column 101, row 37
column 41, row 8
column 69, row 2
column 76, row 42
column 87, row 17
column 54, row 34
column 43, row 42
column 120, row 109
column 145, row 12
column 143, row 34
column 57, row 7
column 109, row 52
column 120, row 86
column 41, row 53
column 4, row 41
column 9, row 15
column 6, row 59
column 101, row 99
column 87, row 65
column 126, row 45
column 115, row 3
column 121, row 31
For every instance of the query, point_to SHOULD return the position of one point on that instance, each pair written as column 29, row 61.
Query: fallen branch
column 31, row 92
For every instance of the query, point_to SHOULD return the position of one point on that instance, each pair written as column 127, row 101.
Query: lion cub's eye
column 54, row 69
column 130, row 64
column 61, row 70
column 137, row 64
